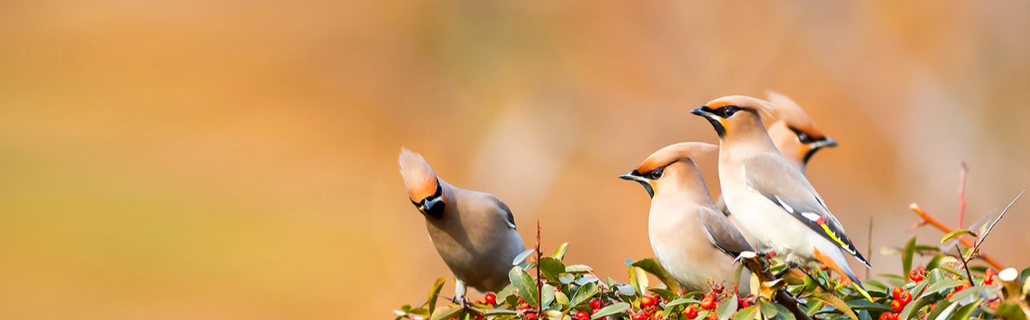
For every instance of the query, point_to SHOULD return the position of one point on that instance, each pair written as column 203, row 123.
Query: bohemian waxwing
column 796, row 137
column 474, row 232
column 767, row 193
column 690, row 237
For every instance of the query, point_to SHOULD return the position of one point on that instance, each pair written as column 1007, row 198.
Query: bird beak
column 633, row 176
column 704, row 111
column 429, row 204
column 824, row 143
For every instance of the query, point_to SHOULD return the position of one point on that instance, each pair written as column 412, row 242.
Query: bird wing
column 779, row 181
column 509, row 217
column 721, row 233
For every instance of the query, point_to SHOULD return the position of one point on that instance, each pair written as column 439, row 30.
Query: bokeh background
column 237, row 159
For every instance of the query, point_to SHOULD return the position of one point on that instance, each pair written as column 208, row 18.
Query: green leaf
column 836, row 303
column 1009, row 310
column 942, row 311
column 955, row 234
column 547, row 295
column 610, row 310
column 906, row 255
column 977, row 290
column 783, row 313
column 768, row 309
column 863, row 304
column 814, row 306
column 578, row 268
column 748, row 313
column 727, row 308
column 941, row 285
column 584, row 293
column 566, row 278
column 925, row 248
column 525, row 283
column 965, row 312
column 560, row 252
column 934, row 262
column 638, row 278
column 874, row 284
column 561, row 299
column 446, row 313
column 913, row 306
column 652, row 266
column 680, row 301
column 519, row 259
column 551, row 268
column 434, row 294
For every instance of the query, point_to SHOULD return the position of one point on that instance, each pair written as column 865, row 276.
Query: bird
column 692, row 240
column 796, row 137
column 771, row 197
column 474, row 232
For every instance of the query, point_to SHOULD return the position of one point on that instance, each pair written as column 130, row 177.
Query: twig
column 962, row 193
column 927, row 219
column 966, row 266
column 539, row 281
column 984, row 236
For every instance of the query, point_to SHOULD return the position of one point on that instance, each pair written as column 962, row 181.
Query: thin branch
column 984, row 236
column 927, row 219
column 966, row 266
column 962, row 193
column 539, row 280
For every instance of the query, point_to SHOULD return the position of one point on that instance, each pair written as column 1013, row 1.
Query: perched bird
column 690, row 237
column 474, row 232
column 795, row 134
column 796, row 137
column 772, row 198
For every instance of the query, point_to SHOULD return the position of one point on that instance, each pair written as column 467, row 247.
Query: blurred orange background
column 237, row 160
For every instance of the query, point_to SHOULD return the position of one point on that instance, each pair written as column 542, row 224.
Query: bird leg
column 459, row 293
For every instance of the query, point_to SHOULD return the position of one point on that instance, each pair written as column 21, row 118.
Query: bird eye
column 728, row 111
column 656, row 173
column 803, row 137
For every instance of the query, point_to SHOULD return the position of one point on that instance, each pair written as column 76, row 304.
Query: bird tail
column 835, row 260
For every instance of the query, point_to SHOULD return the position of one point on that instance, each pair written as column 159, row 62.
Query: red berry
column 961, row 287
column 712, row 316
column 770, row 255
column 640, row 316
column 896, row 305
column 524, row 306
column 717, row 288
column 490, row 298
column 646, row 301
column 896, row 293
column 994, row 304
column 894, row 316
column 708, row 302
column 988, row 278
column 885, row 316
column 453, row 318
column 905, row 298
column 916, row 275
column 690, row 312
column 595, row 303
column 582, row 315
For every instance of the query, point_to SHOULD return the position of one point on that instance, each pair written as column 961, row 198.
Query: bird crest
column 673, row 152
column 792, row 115
column 419, row 177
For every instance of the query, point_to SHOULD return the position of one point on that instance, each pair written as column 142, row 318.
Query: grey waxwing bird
column 690, row 237
column 771, row 198
column 474, row 232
